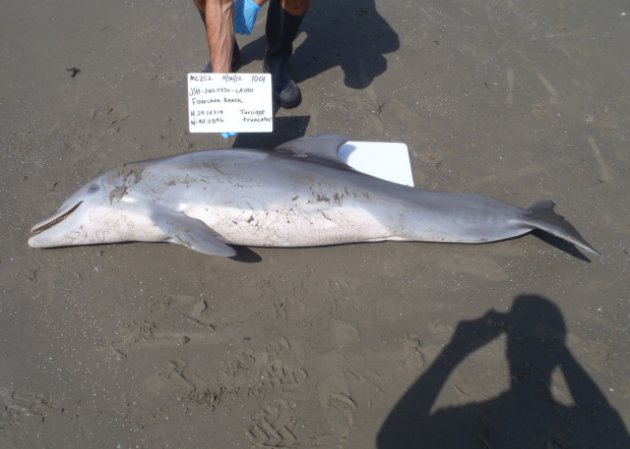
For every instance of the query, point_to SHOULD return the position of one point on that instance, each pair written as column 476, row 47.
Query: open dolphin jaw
column 38, row 229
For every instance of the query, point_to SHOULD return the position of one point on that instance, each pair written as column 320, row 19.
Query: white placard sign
column 385, row 160
column 230, row 102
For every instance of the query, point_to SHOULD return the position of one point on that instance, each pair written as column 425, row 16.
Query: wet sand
column 383, row 345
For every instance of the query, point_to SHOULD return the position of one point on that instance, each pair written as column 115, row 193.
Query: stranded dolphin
column 300, row 194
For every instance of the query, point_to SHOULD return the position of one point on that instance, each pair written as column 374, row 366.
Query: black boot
column 281, row 29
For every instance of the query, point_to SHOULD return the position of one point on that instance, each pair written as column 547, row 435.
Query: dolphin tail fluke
column 542, row 216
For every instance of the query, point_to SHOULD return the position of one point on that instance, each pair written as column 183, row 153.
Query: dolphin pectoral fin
column 191, row 233
column 542, row 216
column 324, row 146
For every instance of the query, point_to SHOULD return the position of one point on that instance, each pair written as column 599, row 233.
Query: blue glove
column 228, row 135
column 245, row 12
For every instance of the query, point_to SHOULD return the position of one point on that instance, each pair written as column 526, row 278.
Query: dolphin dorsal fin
column 324, row 147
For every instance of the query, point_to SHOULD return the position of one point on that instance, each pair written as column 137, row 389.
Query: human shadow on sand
column 349, row 33
column 526, row 415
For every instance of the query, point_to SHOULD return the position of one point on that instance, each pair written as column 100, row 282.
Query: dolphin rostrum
column 300, row 194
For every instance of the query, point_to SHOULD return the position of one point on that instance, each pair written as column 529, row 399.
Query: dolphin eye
column 93, row 188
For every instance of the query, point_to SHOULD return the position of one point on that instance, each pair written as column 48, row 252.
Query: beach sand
column 154, row 346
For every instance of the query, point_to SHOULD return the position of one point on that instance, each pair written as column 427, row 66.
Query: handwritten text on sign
column 229, row 102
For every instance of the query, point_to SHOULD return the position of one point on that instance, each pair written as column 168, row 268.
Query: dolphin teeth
column 50, row 224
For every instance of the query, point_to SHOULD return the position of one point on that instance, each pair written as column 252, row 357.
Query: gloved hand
column 228, row 135
column 245, row 12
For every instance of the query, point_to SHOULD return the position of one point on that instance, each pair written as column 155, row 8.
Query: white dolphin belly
column 292, row 226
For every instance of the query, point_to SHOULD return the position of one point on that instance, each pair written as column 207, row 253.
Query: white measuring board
column 230, row 102
column 385, row 160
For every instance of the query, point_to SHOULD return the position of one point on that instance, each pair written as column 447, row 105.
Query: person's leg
column 295, row 7
column 201, row 7
column 284, row 18
column 219, row 21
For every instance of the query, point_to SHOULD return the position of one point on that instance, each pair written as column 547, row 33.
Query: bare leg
column 219, row 21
